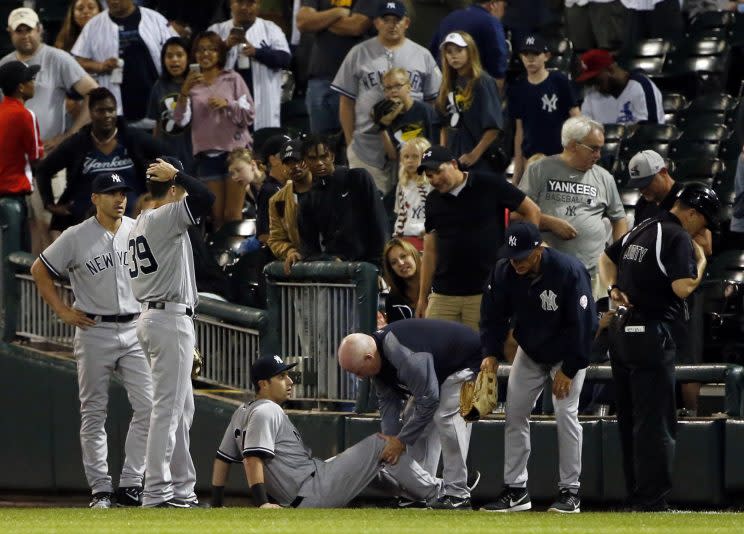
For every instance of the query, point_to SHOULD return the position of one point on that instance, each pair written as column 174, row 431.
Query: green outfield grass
column 367, row 521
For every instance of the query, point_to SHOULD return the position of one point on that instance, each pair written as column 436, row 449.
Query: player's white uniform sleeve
column 259, row 437
column 60, row 255
column 173, row 219
column 229, row 449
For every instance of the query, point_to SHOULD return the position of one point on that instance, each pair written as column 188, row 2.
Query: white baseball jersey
column 262, row 428
column 162, row 262
column 97, row 263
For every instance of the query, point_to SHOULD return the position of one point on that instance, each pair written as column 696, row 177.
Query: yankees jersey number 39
column 161, row 260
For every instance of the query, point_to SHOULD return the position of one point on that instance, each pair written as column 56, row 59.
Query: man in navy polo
column 547, row 297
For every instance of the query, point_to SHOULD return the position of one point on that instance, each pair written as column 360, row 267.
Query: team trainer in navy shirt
column 427, row 360
column 547, row 297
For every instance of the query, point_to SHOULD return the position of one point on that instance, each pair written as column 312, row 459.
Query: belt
column 126, row 318
column 174, row 307
column 298, row 500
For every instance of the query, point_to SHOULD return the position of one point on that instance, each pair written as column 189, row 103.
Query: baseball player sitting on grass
column 277, row 463
column 94, row 256
column 424, row 362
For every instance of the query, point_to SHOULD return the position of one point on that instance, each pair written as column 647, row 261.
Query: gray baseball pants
column 526, row 382
column 168, row 341
column 448, row 434
column 101, row 351
column 340, row 479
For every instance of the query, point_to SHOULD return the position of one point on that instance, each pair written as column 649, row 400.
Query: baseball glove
column 479, row 397
column 197, row 365
column 381, row 109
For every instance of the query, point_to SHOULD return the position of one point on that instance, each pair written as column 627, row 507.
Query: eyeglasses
column 396, row 87
column 590, row 148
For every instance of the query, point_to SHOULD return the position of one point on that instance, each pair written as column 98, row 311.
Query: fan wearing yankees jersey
column 93, row 254
column 278, row 464
column 161, row 266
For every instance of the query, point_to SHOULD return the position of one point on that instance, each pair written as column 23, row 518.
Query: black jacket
column 70, row 155
column 343, row 216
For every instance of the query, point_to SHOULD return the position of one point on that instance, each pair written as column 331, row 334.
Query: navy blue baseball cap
column 273, row 146
column 267, row 366
column 392, row 7
column 433, row 157
column 533, row 43
column 521, row 239
column 105, row 183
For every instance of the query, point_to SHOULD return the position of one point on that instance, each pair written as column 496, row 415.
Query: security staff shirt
column 553, row 313
column 649, row 258
column 645, row 209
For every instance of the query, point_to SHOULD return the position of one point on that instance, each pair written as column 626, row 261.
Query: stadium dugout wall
column 42, row 448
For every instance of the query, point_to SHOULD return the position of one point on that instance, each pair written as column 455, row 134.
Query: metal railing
column 230, row 337
column 314, row 308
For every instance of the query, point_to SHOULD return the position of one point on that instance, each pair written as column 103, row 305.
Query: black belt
column 161, row 306
column 129, row 317
column 298, row 500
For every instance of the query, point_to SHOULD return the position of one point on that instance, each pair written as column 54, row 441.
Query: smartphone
column 194, row 67
column 239, row 32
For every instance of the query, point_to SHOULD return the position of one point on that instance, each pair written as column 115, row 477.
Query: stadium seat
column 649, row 137
column 650, row 65
column 695, row 67
column 615, row 132
column 698, row 169
column 630, row 196
column 712, row 21
column 674, row 104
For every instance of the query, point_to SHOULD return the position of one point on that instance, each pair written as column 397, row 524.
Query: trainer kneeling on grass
column 279, row 467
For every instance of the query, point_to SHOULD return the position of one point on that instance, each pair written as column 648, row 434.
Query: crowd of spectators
column 427, row 132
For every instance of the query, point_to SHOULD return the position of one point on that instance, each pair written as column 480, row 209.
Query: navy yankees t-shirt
column 95, row 163
column 543, row 108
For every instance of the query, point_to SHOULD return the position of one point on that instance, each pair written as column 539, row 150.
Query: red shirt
column 20, row 145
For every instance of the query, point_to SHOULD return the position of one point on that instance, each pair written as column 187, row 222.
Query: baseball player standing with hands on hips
column 94, row 256
column 161, row 265
column 547, row 295
column 277, row 462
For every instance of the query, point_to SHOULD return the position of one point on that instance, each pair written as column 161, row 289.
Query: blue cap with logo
column 392, row 7
column 521, row 239
column 533, row 43
column 105, row 183
column 433, row 157
column 267, row 366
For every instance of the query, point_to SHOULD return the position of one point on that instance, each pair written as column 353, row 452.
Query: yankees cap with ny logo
column 521, row 239
column 105, row 183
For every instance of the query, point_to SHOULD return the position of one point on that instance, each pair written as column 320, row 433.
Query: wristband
column 218, row 493
column 259, row 494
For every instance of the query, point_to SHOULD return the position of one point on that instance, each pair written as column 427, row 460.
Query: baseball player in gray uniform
column 424, row 362
column 161, row 266
column 93, row 254
column 278, row 464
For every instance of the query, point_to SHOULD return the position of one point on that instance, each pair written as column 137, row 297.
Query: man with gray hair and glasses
column 575, row 194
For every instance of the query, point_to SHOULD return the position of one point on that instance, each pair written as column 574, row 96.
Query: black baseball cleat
column 567, row 502
column 173, row 503
column 450, row 502
column 404, row 502
column 196, row 504
column 510, row 500
column 101, row 500
column 473, row 480
column 131, row 496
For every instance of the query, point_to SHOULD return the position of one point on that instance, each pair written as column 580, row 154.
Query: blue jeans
column 322, row 107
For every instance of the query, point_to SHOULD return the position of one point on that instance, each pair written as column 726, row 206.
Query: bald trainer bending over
column 426, row 361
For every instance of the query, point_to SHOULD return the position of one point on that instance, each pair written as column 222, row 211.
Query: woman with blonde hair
column 401, row 264
column 410, row 194
column 470, row 102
